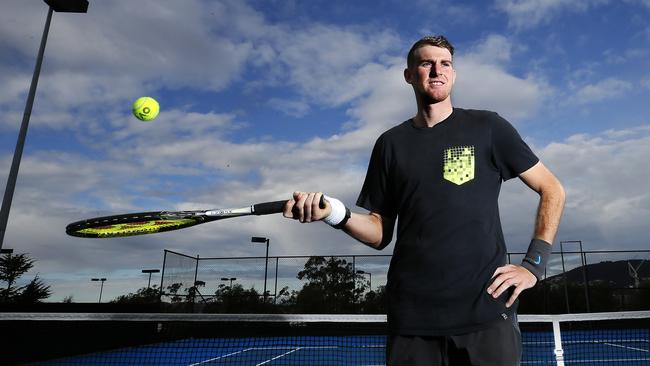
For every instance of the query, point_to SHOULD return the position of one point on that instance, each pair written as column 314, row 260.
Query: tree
column 173, row 292
column 12, row 267
column 35, row 291
column 331, row 286
column 374, row 302
column 236, row 299
column 145, row 295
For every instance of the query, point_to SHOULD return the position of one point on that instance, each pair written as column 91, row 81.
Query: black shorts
column 498, row 345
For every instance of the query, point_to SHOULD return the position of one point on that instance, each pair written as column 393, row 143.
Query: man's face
column 432, row 74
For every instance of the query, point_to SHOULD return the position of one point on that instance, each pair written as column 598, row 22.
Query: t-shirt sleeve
column 510, row 154
column 375, row 194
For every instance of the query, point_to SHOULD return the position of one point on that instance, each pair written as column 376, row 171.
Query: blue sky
column 259, row 98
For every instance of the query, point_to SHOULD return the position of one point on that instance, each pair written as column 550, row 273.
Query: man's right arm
column 371, row 229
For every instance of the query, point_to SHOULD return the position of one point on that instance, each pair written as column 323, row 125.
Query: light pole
column 150, row 271
column 369, row 275
column 229, row 279
column 259, row 239
column 101, row 289
column 62, row 6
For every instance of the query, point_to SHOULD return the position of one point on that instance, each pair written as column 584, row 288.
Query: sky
column 261, row 98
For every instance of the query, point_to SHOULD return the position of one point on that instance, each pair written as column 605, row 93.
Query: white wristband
column 338, row 212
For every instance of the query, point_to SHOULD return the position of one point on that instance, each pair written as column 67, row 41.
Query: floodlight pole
column 258, row 239
column 229, row 279
column 77, row 6
column 101, row 289
column 150, row 271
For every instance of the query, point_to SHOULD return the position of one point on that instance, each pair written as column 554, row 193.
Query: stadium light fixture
column 150, row 271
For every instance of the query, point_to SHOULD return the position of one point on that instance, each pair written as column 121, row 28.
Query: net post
column 558, row 351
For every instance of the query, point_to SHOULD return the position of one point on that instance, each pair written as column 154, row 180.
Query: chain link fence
column 575, row 281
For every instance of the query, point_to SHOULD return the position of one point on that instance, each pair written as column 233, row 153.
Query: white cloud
column 494, row 49
column 604, row 89
column 323, row 61
column 293, row 108
column 530, row 13
column 484, row 86
column 484, row 82
column 607, row 204
column 645, row 82
column 619, row 57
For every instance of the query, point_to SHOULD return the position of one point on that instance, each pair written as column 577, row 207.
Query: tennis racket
column 159, row 221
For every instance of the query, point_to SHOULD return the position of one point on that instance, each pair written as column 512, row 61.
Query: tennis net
column 255, row 339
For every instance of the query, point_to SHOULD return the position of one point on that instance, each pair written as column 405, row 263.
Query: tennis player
column 451, row 296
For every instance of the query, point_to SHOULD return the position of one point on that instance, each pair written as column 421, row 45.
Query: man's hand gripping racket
column 159, row 221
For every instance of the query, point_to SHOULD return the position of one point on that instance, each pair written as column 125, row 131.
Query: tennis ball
column 145, row 108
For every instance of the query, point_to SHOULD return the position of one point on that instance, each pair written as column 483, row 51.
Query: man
column 450, row 291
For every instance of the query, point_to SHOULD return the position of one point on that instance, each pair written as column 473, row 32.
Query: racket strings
column 135, row 228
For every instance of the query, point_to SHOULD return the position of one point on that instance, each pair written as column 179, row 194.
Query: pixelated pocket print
column 459, row 164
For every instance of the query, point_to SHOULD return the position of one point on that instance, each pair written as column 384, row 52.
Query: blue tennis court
column 621, row 338
column 626, row 347
column 622, row 347
column 362, row 350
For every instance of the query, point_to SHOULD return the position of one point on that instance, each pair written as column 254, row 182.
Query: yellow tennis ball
column 145, row 108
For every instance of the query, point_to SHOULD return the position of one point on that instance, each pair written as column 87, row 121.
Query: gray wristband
column 537, row 257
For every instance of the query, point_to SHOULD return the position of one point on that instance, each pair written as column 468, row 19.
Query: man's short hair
column 436, row 41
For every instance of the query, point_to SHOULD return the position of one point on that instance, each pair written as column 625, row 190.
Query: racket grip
column 274, row 207
column 268, row 208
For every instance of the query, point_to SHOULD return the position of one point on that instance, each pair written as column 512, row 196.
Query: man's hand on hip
column 508, row 276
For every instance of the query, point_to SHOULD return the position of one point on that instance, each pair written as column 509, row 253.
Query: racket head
column 132, row 224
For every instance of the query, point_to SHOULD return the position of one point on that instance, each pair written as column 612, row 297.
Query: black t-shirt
column 442, row 184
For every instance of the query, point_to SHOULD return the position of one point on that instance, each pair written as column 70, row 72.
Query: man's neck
column 432, row 114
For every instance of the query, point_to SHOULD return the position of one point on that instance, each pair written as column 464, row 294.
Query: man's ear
column 408, row 76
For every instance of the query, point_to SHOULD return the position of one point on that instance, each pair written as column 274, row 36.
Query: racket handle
column 268, row 208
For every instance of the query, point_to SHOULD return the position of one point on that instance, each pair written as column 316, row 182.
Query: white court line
column 542, row 362
column 287, row 347
column 222, row 356
column 597, row 341
column 608, row 360
column 627, row 347
column 276, row 357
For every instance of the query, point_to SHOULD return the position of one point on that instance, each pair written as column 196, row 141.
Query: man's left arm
column 549, row 211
